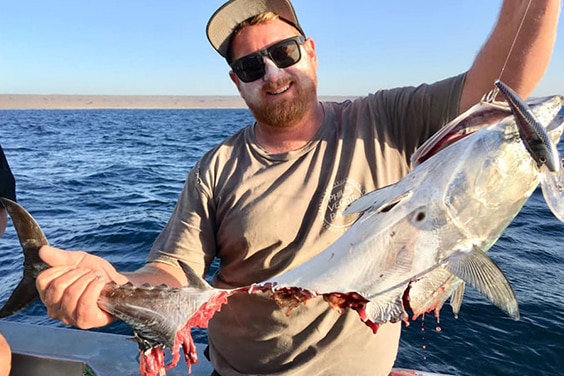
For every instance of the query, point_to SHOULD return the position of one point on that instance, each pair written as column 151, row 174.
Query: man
column 270, row 197
column 8, row 190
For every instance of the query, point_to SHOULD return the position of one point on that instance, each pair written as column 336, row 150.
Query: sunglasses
column 285, row 53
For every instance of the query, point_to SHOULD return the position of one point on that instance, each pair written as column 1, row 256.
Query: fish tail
column 31, row 238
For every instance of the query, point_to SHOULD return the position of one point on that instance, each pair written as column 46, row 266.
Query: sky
column 159, row 47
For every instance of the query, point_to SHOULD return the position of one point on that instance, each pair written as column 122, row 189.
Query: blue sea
column 106, row 181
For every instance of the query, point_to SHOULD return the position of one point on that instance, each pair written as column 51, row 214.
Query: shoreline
column 81, row 102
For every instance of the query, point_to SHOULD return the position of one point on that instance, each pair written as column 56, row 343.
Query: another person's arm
column 5, row 357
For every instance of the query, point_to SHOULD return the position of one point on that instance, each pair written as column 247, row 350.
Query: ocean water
column 106, row 181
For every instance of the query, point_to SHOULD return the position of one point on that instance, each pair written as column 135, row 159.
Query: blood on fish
column 339, row 301
column 352, row 300
column 152, row 362
column 291, row 297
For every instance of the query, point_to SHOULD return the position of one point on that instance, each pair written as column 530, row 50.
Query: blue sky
column 159, row 47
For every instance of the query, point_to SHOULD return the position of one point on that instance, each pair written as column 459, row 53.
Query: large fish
column 419, row 241
column 416, row 243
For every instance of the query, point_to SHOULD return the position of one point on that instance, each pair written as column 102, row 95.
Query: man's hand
column 71, row 287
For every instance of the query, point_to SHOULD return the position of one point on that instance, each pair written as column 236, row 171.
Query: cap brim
column 229, row 15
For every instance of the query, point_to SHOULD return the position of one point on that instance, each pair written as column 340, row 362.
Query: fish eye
column 420, row 216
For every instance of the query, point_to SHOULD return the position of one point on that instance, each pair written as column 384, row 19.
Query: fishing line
column 493, row 93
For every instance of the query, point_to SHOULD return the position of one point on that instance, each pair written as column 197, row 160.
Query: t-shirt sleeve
column 413, row 114
column 189, row 233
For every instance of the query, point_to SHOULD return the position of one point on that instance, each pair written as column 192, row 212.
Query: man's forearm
column 526, row 45
column 157, row 273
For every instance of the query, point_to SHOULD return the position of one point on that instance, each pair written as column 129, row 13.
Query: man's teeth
column 281, row 90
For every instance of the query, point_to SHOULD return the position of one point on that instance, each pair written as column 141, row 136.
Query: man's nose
column 271, row 71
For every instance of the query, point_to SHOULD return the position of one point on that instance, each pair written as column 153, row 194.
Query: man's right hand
column 71, row 287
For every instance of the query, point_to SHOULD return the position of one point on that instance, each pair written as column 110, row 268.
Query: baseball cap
column 232, row 13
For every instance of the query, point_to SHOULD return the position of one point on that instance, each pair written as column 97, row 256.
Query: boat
column 44, row 350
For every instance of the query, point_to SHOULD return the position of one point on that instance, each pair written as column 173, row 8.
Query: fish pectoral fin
column 456, row 299
column 380, row 200
column 194, row 280
column 481, row 272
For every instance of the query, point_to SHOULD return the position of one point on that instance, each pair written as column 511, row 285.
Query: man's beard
column 286, row 112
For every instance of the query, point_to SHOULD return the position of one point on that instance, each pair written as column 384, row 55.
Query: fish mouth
column 479, row 116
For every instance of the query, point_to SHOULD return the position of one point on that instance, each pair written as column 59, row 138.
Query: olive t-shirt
column 261, row 214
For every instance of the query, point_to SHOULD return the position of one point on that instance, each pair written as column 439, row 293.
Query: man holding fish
column 271, row 196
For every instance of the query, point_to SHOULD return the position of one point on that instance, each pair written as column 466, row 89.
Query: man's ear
column 309, row 45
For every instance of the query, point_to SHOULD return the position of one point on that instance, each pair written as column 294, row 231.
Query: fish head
column 540, row 132
column 492, row 174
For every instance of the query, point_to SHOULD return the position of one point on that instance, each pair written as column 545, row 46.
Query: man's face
column 283, row 95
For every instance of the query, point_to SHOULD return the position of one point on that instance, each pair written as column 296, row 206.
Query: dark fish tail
column 31, row 238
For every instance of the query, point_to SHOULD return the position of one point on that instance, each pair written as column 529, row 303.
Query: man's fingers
column 46, row 278
column 54, row 292
column 54, row 286
column 71, row 295
column 58, row 257
column 88, row 314
column 71, row 287
column 80, row 259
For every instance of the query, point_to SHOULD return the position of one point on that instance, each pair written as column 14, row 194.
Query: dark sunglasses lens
column 250, row 68
column 285, row 54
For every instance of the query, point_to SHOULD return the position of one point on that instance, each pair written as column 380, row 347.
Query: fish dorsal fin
column 481, row 272
column 194, row 280
column 379, row 200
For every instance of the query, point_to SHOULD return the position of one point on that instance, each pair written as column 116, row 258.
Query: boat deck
column 42, row 350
